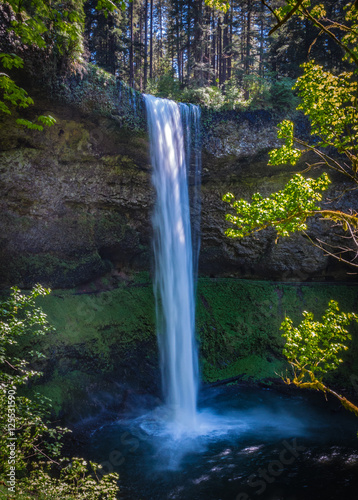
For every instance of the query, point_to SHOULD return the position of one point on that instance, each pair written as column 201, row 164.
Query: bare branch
column 270, row 9
column 286, row 18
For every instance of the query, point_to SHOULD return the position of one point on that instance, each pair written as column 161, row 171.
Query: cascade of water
column 174, row 282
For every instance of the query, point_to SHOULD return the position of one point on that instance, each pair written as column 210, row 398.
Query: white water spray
column 174, row 281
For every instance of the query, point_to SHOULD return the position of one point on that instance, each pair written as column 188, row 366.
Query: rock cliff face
column 76, row 202
column 74, row 199
column 235, row 160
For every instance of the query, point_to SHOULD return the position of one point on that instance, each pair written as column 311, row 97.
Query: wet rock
column 76, row 201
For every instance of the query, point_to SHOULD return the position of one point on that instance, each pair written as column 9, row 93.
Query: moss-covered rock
column 105, row 347
column 238, row 324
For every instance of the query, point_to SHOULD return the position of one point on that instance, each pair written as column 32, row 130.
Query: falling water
column 173, row 252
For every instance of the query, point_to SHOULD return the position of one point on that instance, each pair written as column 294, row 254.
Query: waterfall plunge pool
column 249, row 443
column 231, row 443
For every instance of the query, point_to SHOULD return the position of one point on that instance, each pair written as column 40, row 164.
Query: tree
column 330, row 102
column 54, row 28
column 103, row 36
column 26, row 431
column 314, row 348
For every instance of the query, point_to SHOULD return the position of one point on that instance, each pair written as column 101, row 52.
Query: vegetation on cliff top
column 214, row 53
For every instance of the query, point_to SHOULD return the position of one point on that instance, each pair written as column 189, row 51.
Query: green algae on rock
column 105, row 340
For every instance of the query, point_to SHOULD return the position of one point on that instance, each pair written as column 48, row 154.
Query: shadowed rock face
column 76, row 203
column 240, row 167
column 74, row 198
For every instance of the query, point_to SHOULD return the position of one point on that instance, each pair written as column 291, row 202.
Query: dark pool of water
column 249, row 444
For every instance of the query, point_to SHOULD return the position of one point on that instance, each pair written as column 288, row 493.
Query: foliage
column 282, row 96
column 16, row 96
column 165, row 86
column 286, row 210
column 53, row 28
column 314, row 348
column 211, row 97
column 330, row 102
column 37, row 443
column 222, row 5
column 264, row 93
column 30, row 24
column 286, row 153
column 12, row 94
column 78, row 480
column 317, row 15
column 109, row 6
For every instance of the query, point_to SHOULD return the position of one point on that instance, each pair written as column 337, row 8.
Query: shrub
column 29, row 446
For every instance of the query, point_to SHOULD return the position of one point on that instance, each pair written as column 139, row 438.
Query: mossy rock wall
column 77, row 198
column 105, row 347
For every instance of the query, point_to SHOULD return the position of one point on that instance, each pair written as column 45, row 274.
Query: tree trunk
column 213, row 50
column 225, row 47
column 248, row 38
column 220, row 50
column 131, row 62
column 145, row 44
column 229, row 60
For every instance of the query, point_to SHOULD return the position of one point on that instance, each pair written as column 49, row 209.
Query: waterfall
column 170, row 138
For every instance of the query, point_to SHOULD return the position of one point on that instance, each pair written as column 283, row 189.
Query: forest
column 157, row 360
column 186, row 50
column 190, row 50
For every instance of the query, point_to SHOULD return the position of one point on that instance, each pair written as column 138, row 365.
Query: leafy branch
column 314, row 348
column 286, row 210
column 39, row 464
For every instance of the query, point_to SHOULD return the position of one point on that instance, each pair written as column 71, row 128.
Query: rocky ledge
column 76, row 201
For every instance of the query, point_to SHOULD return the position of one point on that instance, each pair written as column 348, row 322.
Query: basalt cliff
column 76, row 198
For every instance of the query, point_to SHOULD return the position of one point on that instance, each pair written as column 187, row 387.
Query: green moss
column 239, row 319
column 120, row 163
column 109, row 337
column 252, row 367
column 79, row 317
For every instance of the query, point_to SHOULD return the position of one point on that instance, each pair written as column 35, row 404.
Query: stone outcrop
column 76, row 201
column 75, row 198
column 260, row 256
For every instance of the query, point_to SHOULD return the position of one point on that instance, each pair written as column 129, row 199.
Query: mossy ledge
column 105, row 348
